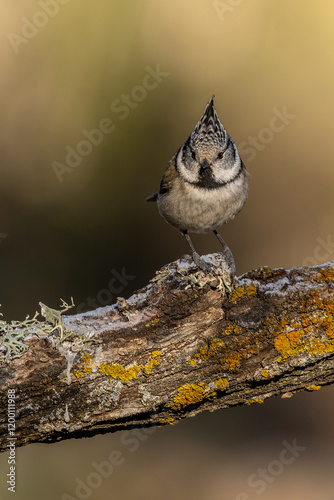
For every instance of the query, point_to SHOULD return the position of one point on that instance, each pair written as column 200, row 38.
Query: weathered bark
column 179, row 346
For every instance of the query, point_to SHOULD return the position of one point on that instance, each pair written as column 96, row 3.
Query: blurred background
column 95, row 99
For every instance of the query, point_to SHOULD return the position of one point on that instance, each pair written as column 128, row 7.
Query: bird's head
column 209, row 156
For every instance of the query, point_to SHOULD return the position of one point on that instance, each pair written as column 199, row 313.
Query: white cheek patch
column 186, row 174
column 222, row 174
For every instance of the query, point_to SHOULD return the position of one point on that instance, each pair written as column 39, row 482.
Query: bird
column 205, row 185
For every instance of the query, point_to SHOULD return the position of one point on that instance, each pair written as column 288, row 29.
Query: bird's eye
column 193, row 155
column 220, row 155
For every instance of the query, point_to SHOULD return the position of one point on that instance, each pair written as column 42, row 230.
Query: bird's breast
column 201, row 210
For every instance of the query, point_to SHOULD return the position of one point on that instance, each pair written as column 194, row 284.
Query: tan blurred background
column 65, row 67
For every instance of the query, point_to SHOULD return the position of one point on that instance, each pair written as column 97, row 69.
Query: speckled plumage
column 206, row 183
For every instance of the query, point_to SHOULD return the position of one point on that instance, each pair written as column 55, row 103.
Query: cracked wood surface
column 177, row 347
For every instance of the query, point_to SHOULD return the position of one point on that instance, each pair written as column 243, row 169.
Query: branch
column 177, row 347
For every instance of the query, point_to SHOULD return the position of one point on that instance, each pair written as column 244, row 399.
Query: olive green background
column 71, row 238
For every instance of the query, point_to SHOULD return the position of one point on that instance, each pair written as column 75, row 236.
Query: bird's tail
column 153, row 197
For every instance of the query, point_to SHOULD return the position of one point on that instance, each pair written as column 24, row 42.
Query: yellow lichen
column 289, row 344
column 313, row 387
column 265, row 373
column 190, row 394
column 153, row 322
column 117, row 371
column 318, row 346
column 232, row 354
column 88, row 363
column 240, row 291
column 316, row 318
column 87, row 369
column 78, row 373
column 297, row 341
column 221, row 384
column 231, row 361
column 156, row 359
column 168, row 420
column 256, row 400
column 208, row 351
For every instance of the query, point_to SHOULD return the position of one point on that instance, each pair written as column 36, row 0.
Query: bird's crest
column 209, row 128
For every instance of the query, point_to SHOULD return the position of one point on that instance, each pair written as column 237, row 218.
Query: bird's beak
column 204, row 166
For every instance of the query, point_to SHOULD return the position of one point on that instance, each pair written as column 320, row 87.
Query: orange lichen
column 327, row 324
column 314, row 301
column 232, row 329
column 243, row 290
column 276, row 325
column 325, row 275
column 297, row 342
column 265, row 373
column 221, row 384
column 231, row 361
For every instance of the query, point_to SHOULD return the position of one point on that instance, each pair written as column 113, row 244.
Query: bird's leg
column 227, row 254
column 196, row 257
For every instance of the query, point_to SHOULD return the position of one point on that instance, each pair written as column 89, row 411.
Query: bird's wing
column 169, row 178
column 167, row 181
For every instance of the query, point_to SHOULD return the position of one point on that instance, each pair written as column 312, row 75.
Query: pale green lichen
column 14, row 333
